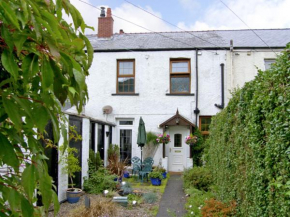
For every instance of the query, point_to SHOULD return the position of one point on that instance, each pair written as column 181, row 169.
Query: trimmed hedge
column 249, row 144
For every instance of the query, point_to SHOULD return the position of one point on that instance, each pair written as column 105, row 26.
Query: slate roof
column 214, row 39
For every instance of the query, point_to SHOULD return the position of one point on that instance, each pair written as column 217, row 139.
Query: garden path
column 173, row 200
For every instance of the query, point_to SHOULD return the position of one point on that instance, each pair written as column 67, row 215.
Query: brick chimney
column 105, row 26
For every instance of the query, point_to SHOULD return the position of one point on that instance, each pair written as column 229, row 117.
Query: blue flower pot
column 155, row 181
column 126, row 175
column 164, row 175
column 73, row 196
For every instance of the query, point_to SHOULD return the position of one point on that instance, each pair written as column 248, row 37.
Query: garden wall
column 249, row 144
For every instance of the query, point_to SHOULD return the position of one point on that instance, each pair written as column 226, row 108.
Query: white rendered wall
column 245, row 65
column 152, row 84
column 152, row 74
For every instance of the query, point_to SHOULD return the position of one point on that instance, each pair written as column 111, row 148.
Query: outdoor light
column 107, row 133
column 123, row 183
column 177, row 121
column 134, row 202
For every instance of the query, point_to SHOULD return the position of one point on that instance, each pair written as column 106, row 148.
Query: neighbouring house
column 175, row 81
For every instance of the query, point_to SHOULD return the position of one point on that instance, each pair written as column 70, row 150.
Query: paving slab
column 173, row 200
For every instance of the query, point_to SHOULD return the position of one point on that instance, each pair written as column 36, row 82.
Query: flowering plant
column 163, row 138
column 191, row 139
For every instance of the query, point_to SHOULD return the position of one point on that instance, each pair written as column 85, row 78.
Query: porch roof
column 177, row 120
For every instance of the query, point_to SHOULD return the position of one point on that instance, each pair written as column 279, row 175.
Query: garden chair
column 146, row 169
column 136, row 165
column 149, row 160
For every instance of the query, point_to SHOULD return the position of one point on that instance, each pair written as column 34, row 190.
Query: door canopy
column 177, row 120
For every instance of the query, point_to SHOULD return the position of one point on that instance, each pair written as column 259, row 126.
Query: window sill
column 179, row 94
column 125, row 94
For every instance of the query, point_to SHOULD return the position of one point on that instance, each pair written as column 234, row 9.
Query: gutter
column 180, row 49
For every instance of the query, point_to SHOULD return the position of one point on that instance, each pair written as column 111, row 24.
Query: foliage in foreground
column 99, row 181
column 43, row 63
column 249, row 153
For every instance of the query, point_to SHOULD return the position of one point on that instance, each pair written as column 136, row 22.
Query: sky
column 188, row 15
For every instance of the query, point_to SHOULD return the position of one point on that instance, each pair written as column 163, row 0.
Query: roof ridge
column 196, row 31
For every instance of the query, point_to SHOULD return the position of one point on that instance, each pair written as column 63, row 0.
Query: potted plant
column 164, row 139
column 71, row 166
column 190, row 139
column 163, row 172
column 155, row 177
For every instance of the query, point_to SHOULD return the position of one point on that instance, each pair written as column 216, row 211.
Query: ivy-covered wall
column 249, row 144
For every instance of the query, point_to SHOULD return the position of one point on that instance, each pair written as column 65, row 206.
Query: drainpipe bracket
column 196, row 111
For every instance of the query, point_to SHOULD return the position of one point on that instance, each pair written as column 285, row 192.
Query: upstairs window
column 268, row 63
column 204, row 122
column 179, row 76
column 126, row 76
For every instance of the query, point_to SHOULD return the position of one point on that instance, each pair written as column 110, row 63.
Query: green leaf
column 9, row 14
column 55, row 203
column 7, row 37
column 13, row 112
column 9, row 63
column 7, row 153
column 45, row 185
column 19, row 40
column 26, row 207
column 90, row 50
column 30, row 66
column 72, row 90
column 55, row 126
column 14, row 200
column 24, row 104
column 52, row 22
column 41, row 118
column 47, row 74
column 28, row 181
column 80, row 78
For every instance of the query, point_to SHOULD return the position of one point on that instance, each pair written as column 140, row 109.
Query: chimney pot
column 102, row 12
column 105, row 25
column 109, row 12
column 121, row 31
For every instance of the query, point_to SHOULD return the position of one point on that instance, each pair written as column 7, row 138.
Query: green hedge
column 249, row 144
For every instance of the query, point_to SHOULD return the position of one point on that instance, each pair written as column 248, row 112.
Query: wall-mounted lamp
column 177, row 121
column 107, row 133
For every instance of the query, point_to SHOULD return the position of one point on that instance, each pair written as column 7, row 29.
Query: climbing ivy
column 249, row 153
column 42, row 64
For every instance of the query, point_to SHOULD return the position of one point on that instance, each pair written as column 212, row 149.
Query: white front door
column 177, row 148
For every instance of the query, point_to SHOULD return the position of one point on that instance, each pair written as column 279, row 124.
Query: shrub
column 197, row 148
column 99, row 207
column 94, row 161
column 214, row 207
column 198, row 177
column 151, row 138
column 113, row 153
column 99, row 181
column 132, row 197
column 150, row 197
column 249, row 144
column 127, row 188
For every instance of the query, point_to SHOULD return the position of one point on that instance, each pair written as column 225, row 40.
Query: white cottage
column 175, row 81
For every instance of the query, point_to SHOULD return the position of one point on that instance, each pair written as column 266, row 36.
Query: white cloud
column 190, row 4
column 256, row 14
column 125, row 11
